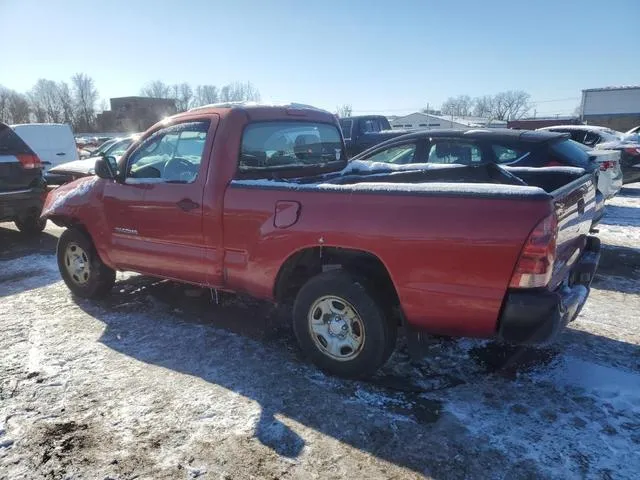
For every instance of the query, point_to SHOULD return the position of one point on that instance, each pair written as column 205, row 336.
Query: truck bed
column 451, row 264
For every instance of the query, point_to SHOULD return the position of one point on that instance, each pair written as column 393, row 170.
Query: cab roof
column 496, row 134
column 260, row 111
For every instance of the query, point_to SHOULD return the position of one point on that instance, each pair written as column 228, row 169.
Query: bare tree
column 483, row 106
column 104, row 105
column 511, row 105
column 206, row 95
column 156, row 89
column 183, row 95
column 85, row 96
column 18, row 108
column 14, row 107
column 238, row 92
column 46, row 101
column 66, row 101
column 460, row 106
column 344, row 110
column 5, row 94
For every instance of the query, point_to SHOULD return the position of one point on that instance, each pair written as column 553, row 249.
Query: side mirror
column 106, row 167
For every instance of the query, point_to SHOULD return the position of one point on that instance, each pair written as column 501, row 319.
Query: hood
column 82, row 168
column 69, row 197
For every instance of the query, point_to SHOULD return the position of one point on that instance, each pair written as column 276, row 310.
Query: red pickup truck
column 262, row 200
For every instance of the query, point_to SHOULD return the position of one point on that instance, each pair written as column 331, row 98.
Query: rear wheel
column 80, row 266
column 31, row 223
column 340, row 326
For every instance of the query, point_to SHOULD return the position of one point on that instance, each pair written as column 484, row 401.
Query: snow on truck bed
column 426, row 187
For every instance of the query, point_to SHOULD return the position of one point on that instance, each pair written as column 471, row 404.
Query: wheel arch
column 307, row 262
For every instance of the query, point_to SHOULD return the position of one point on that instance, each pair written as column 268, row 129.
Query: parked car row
column 601, row 138
column 433, row 233
column 22, row 186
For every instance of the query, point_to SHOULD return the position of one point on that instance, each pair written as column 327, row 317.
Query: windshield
column 283, row 145
column 118, row 148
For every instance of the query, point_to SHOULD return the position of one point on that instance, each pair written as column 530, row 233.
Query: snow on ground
column 157, row 381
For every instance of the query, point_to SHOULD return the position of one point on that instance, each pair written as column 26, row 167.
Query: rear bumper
column 18, row 203
column 537, row 316
column 610, row 182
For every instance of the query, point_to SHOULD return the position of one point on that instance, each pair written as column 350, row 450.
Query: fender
column 80, row 203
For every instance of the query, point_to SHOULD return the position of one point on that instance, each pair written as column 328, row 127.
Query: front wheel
column 80, row 266
column 341, row 327
column 31, row 223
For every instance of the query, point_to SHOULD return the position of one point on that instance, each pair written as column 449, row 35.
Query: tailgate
column 575, row 205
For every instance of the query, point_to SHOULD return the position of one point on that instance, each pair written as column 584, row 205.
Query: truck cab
column 262, row 200
column 363, row 132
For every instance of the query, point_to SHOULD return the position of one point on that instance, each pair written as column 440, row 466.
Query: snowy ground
column 158, row 382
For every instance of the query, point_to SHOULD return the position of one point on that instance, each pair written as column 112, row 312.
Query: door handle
column 60, row 154
column 187, row 204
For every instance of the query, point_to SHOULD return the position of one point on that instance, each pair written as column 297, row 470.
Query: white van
column 52, row 142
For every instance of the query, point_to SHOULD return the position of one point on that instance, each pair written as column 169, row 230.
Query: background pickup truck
column 361, row 133
column 261, row 200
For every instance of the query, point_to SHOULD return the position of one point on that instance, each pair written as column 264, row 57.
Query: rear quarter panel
column 450, row 258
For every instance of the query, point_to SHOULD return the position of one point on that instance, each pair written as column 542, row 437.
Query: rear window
column 571, row 152
column 507, row 154
column 282, row 145
column 11, row 143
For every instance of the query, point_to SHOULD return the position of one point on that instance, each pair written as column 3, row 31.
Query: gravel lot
column 160, row 382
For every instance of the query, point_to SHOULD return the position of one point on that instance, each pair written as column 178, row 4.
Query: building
column 421, row 120
column 540, row 122
column 614, row 107
column 134, row 114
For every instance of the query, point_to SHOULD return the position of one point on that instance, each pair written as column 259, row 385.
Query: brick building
column 134, row 114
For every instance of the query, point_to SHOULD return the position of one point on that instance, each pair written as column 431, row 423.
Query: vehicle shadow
column 618, row 269
column 26, row 262
column 246, row 346
column 14, row 244
column 630, row 192
column 621, row 216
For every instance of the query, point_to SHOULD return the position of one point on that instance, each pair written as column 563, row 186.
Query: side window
column 591, row 139
column 171, row 155
column 371, row 125
column 399, row 154
column 506, row 154
column 454, row 151
column 578, row 136
column 289, row 145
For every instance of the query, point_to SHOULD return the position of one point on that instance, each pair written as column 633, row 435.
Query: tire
column 323, row 306
column 90, row 277
column 31, row 223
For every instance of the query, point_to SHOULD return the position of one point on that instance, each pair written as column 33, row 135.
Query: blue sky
column 380, row 56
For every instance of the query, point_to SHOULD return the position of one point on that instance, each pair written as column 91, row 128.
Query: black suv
column 22, row 187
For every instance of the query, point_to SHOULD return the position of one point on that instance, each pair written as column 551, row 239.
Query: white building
column 614, row 107
column 421, row 120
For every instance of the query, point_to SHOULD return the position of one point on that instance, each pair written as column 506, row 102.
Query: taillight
column 29, row 161
column 632, row 151
column 535, row 264
column 606, row 165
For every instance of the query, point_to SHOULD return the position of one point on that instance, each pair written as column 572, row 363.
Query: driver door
column 168, row 238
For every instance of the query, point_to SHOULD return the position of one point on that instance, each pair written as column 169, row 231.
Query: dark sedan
column 515, row 148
